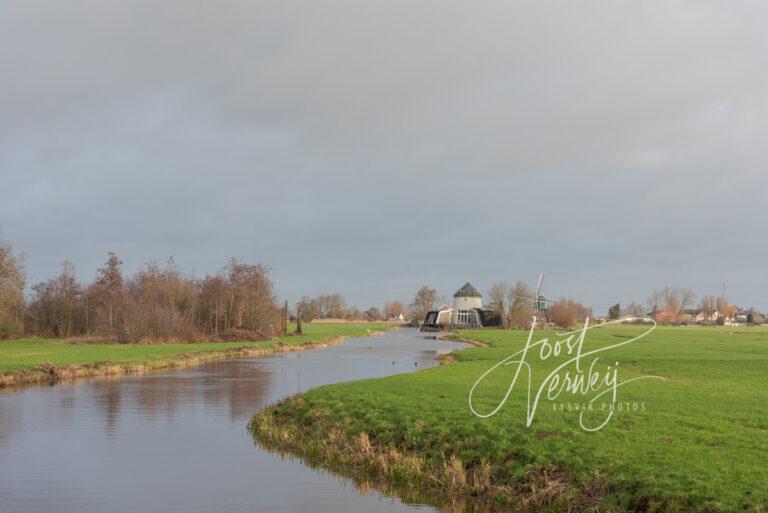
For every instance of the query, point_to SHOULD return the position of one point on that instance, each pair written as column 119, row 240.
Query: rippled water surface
column 177, row 440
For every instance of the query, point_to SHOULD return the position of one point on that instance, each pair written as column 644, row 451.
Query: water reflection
column 177, row 440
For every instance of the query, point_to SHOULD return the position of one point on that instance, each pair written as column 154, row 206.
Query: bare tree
column 514, row 304
column 498, row 300
column 723, row 306
column 332, row 306
column 708, row 307
column 423, row 302
column 12, row 281
column 686, row 298
column 729, row 311
column 671, row 301
column 337, row 306
column 565, row 312
column 634, row 310
column 393, row 309
column 161, row 303
column 109, row 294
column 520, row 300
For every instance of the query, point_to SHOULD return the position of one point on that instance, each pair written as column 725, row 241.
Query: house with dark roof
column 466, row 312
column 466, row 303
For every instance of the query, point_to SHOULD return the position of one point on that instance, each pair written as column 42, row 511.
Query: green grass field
column 16, row 355
column 700, row 444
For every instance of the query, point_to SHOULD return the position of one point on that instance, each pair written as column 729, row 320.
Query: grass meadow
column 698, row 440
column 17, row 355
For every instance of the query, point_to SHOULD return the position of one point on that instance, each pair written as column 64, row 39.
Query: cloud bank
column 372, row 147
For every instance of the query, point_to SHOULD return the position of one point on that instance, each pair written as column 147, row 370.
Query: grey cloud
column 370, row 147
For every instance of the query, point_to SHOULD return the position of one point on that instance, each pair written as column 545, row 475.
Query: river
column 177, row 440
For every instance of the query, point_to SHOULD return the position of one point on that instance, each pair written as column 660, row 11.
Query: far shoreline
column 46, row 373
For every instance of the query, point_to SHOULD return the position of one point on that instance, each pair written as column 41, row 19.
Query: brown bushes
column 565, row 312
column 89, row 339
column 157, row 304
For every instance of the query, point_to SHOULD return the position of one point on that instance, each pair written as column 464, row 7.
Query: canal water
column 177, row 441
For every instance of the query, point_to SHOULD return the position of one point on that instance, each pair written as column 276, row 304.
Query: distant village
column 467, row 311
column 695, row 316
column 513, row 305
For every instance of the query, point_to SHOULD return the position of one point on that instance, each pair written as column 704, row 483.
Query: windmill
column 538, row 301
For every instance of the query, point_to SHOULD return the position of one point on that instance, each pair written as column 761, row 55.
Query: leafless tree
column 157, row 303
column 634, row 310
column 723, row 306
column 393, row 309
column 514, row 304
column 498, row 300
column 565, row 312
column 332, row 306
column 57, row 308
column 708, row 307
column 670, row 300
column 423, row 301
column 520, row 306
column 108, row 293
column 12, row 281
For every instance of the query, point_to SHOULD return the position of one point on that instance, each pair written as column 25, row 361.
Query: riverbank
column 698, row 441
column 35, row 361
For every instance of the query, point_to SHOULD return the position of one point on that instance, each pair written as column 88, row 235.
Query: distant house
column 703, row 318
column 466, row 312
column 745, row 317
column 697, row 316
column 689, row 316
column 740, row 317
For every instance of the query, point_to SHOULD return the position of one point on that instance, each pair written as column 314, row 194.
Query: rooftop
column 467, row 291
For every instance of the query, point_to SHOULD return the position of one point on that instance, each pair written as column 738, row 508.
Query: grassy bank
column 698, row 441
column 40, row 361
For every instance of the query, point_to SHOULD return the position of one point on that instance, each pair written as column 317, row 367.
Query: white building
column 444, row 314
column 466, row 312
column 467, row 302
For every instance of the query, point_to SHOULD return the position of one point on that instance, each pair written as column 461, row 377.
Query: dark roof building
column 467, row 291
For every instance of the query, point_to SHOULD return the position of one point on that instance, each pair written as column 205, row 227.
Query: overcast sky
column 372, row 147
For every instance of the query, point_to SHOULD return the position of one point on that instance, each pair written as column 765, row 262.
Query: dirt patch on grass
column 457, row 337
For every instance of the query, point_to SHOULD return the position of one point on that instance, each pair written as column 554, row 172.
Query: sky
column 370, row 148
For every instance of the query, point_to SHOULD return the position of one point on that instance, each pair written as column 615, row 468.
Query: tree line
column 157, row 303
column 673, row 305
column 334, row 306
column 515, row 306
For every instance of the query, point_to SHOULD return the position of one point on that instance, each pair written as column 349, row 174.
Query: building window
column 465, row 317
